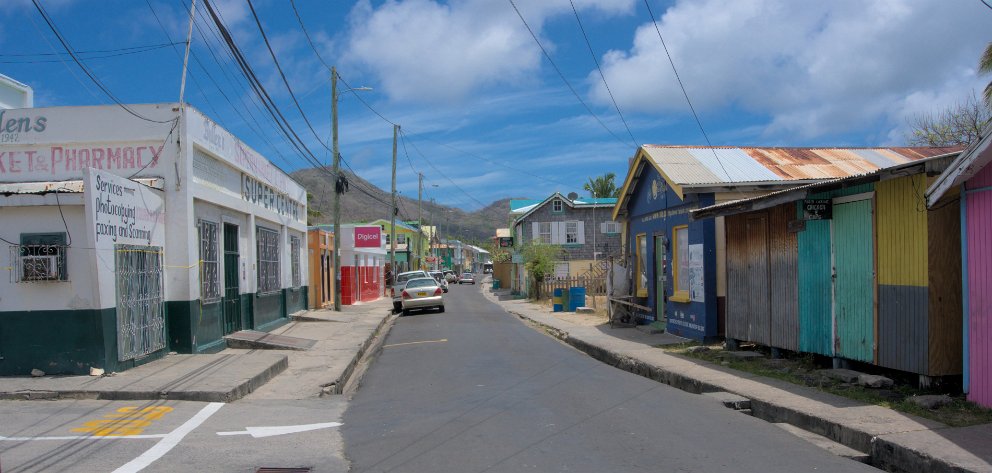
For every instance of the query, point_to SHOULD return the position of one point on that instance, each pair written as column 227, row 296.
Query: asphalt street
column 474, row 389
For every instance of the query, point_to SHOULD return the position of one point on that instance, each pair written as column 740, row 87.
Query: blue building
column 678, row 265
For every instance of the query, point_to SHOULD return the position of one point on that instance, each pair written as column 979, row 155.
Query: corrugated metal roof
column 721, row 165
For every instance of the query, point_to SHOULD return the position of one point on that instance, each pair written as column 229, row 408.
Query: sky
column 522, row 98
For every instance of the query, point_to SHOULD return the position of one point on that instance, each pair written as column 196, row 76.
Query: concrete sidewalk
column 893, row 441
column 341, row 338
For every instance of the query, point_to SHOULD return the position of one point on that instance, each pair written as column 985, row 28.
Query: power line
column 69, row 49
column 600, row 69
column 686, row 94
column 562, row 75
column 119, row 52
column 429, row 163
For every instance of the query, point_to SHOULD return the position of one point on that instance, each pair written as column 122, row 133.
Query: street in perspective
column 495, row 236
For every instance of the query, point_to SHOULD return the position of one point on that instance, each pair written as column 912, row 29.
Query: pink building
column 971, row 177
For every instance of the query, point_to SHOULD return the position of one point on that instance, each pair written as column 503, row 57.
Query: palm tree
column 985, row 67
column 602, row 186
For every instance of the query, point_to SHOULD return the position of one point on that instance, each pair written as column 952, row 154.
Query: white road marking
column 259, row 432
column 415, row 343
column 83, row 437
column 170, row 440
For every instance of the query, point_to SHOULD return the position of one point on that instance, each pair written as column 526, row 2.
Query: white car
column 422, row 293
column 398, row 283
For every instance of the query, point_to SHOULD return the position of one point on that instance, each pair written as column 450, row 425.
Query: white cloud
column 426, row 51
column 812, row 68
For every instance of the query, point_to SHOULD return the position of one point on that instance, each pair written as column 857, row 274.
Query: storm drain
column 266, row 469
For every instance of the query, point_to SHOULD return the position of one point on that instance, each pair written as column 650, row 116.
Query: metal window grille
column 267, row 242
column 39, row 263
column 294, row 254
column 571, row 232
column 209, row 266
column 140, row 310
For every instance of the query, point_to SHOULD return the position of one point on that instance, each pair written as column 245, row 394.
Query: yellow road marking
column 124, row 421
column 415, row 343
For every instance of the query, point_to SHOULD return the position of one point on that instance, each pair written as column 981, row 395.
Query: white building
column 131, row 237
column 14, row 94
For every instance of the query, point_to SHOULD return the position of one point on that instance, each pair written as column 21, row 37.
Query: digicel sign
column 368, row 237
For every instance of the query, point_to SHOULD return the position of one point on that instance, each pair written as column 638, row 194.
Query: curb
column 882, row 453
column 349, row 370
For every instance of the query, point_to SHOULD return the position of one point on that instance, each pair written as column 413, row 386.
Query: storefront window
column 267, row 242
column 641, row 275
column 209, row 267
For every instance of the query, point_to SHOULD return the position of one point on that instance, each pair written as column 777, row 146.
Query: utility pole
column 420, row 212
column 392, row 214
column 338, row 189
column 434, row 241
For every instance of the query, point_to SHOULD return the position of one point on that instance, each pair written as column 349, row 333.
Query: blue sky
column 485, row 115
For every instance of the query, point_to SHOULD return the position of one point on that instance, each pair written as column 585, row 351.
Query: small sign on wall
column 368, row 237
column 818, row 209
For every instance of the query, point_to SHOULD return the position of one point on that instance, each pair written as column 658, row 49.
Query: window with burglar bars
column 294, row 254
column 209, row 266
column 268, row 259
column 40, row 257
column 140, row 310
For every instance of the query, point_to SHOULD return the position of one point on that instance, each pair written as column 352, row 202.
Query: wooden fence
column 594, row 286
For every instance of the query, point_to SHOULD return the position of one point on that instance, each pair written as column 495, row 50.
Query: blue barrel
column 576, row 298
column 556, row 305
column 495, row 283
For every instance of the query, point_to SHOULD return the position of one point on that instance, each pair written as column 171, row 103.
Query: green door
column 232, row 292
column 854, row 281
column 659, row 277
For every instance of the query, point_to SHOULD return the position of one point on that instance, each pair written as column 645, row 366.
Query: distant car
column 399, row 282
column 467, row 278
column 422, row 293
column 439, row 277
column 450, row 276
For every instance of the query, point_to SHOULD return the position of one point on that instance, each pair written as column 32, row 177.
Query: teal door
column 659, row 278
column 854, row 281
column 232, row 286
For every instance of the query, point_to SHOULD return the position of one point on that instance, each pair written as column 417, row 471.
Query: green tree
column 539, row 260
column 602, row 186
column 312, row 213
column 960, row 124
column 985, row 68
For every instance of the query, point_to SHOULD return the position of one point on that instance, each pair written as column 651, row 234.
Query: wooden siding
column 854, row 284
column 945, row 297
column 978, row 216
column 901, row 229
column 784, row 257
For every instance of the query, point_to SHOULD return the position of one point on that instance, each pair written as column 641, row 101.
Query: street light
column 338, row 185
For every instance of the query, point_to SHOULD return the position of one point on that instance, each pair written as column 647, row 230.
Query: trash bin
column 556, row 305
column 564, row 299
column 495, row 283
column 576, row 298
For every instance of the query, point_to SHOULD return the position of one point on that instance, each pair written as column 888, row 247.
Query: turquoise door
column 854, row 281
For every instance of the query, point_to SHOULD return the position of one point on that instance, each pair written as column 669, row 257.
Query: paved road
column 152, row 437
column 474, row 389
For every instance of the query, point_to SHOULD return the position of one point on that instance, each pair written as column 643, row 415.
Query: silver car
column 422, row 293
column 398, row 284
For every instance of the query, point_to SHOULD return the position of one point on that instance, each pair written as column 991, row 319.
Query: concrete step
column 825, row 443
column 255, row 340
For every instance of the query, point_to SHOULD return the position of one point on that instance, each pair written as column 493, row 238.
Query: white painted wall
column 14, row 94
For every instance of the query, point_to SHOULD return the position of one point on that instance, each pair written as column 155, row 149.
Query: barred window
column 209, row 267
column 40, row 257
column 294, row 254
column 267, row 276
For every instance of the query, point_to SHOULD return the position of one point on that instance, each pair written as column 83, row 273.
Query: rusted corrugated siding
column 945, row 295
column 747, row 277
column 784, row 258
column 737, row 277
column 901, row 229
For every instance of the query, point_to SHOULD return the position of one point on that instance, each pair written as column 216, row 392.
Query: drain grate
column 266, row 469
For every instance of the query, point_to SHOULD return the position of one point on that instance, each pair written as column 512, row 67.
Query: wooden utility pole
column 420, row 214
column 392, row 214
column 338, row 189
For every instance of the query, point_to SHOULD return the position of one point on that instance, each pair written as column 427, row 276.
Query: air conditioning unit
column 39, row 268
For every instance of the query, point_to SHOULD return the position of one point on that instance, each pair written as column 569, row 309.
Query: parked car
column 422, row 293
column 450, row 276
column 399, row 282
column 467, row 278
column 439, row 277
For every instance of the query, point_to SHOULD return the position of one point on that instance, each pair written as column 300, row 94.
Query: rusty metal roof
column 688, row 166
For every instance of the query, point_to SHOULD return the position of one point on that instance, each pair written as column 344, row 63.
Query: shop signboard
column 368, row 237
